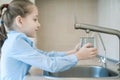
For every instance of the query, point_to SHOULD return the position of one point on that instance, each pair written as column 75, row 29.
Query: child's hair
column 15, row 8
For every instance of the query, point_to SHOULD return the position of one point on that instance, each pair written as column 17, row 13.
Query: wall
column 109, row 16
column 57, row 22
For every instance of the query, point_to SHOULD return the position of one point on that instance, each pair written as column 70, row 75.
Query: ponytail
column 3, row 35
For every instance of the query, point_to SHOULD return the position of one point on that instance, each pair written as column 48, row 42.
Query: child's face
column 30, row 23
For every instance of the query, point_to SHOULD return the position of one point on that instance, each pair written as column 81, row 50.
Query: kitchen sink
column 83, row 71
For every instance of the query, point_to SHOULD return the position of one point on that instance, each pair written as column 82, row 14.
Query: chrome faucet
column 103, row 60
column 102, row 30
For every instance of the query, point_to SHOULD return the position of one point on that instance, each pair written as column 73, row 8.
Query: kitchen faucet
column 103, row 59
column 102, row 30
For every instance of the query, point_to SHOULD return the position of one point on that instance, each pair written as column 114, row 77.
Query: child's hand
column 77, row 47
column 86, row 52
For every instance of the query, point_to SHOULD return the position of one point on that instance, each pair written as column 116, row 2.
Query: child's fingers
column 77, row 47
column 88, row 45
column 93, row 49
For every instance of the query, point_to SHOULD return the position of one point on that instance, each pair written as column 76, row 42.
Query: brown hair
column 15, row 8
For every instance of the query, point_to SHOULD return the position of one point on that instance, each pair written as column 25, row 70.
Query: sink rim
column 52, row 77
column 87, row 66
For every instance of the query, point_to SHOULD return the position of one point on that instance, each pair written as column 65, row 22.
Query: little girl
column 17, row 51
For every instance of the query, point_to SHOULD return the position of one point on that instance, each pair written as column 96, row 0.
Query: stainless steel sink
column 84, row 71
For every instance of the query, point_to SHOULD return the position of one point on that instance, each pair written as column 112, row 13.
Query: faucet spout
column 97, row 29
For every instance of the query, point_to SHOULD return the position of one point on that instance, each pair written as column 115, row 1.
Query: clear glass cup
column 85, row 40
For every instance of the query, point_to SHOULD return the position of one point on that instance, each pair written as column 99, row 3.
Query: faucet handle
column 102, row 59
column 118, row 63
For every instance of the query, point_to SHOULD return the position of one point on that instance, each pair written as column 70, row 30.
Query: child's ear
column 18, row 21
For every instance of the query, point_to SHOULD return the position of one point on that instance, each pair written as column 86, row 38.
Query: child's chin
column 32, row 36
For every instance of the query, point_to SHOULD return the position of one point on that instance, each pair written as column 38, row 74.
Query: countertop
column 94, row 61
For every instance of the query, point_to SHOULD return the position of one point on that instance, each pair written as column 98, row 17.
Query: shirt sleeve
column 24, row 52
column 52, row 53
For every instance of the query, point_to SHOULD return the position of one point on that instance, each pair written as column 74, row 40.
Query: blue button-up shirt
column 19, row 54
